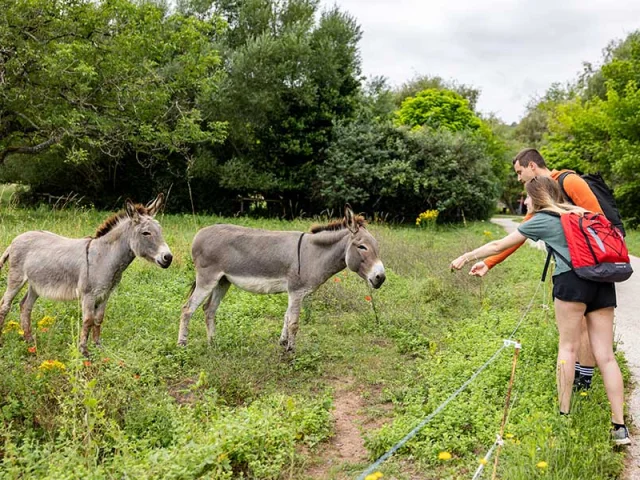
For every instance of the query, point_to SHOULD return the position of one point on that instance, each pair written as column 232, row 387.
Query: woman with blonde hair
column 573, row 296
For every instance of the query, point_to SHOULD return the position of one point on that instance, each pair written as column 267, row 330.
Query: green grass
column 145, row 408
column 7, row 192
column 633, row 242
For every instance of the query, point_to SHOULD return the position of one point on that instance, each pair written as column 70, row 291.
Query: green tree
column 105, row 91
column 292, row 71
column 533, row 127
column 424, row 82
column 503, row 145
column 592, row 133
column 438, row 109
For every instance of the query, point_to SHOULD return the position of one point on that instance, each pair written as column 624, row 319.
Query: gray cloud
column 511, row 50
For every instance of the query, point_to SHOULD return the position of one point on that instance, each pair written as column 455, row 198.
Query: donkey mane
column 110, row 223
column 338, row 225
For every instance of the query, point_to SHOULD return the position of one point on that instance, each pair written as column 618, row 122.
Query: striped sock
column 576, row 378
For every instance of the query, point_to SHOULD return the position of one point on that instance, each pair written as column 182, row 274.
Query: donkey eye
column 146, row 233
column 362, row 247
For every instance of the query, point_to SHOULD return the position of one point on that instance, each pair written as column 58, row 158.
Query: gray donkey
column 88, row 268
column 263, row 261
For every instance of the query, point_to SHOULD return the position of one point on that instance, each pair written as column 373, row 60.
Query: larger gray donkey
column 264, row 261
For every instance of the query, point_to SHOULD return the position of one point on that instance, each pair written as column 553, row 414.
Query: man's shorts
column 569, row 287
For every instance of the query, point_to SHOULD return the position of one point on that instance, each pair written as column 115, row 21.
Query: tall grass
column 633, row 242
column 144, row 408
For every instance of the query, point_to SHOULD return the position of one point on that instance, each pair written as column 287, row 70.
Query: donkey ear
column 350, row 219
column 154, row 206
column 131, row 210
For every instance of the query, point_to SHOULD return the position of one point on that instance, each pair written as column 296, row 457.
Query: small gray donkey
column 89, row 268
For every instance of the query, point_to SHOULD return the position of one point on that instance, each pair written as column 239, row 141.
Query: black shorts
column 569, row 287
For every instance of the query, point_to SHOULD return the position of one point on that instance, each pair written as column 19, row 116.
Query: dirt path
column 347, row 445
column 627, row 333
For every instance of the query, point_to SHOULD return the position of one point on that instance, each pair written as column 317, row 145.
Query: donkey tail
column 193, row 285
column 5, row 255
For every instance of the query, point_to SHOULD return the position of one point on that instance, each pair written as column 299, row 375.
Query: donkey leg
column 195, row 299
column 14, row 284
column 97, row 323
column 291, row 319
column 88, row 316
column 211, row 306
column 26, row 306
column 284, row 336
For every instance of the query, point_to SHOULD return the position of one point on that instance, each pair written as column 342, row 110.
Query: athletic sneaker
column 576, row 382
column 620, row 436
column 581, row 383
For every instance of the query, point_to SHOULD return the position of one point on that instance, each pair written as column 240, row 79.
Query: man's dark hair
column 528, row 155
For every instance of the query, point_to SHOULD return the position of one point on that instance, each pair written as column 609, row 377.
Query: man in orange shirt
column 529, row 164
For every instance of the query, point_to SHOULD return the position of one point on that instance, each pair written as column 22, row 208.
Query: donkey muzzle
column 377, row 276
column 165, row 260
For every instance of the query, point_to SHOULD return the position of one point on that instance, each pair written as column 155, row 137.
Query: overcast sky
column 509, row 49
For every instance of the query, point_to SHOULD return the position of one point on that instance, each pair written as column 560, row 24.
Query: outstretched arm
column 480, row 269
column 491, row 248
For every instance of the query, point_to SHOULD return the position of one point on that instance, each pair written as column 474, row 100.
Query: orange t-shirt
column 576, row 189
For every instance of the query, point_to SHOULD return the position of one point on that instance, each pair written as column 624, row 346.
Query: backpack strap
column 561, row 178
column 546, row 265
column 551, row 250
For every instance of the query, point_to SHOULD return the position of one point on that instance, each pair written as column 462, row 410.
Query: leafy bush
column 381, row 168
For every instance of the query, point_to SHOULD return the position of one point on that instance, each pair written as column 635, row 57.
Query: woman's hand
column 480, row 269
column 459, row 262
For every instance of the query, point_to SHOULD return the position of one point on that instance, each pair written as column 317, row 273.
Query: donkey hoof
column 182, row 343
column 283, row 341
column 84, row 351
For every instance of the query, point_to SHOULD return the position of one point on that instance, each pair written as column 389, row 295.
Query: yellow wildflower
column 483, row 461
column 542, row 464
column 427, row 217
column 48, row 365
column 13, row 327
column 374, row 476
column 222, row 457
column 46, row 322
column 444, row 456
column 583, row 394
column 509, row 435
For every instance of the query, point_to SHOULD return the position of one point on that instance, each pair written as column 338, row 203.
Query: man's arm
column 501, row 257
column 494, row 260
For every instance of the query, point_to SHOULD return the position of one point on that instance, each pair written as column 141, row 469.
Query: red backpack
column 597, row 249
